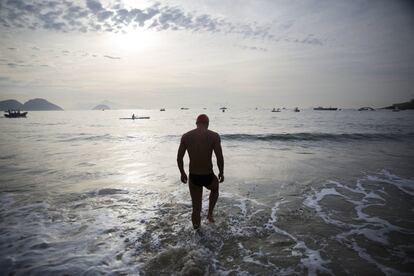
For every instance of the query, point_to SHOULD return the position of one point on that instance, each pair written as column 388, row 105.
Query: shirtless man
column 200, row 144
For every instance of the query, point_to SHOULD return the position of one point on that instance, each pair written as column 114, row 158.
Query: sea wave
column 244, row 137
column 317, row 136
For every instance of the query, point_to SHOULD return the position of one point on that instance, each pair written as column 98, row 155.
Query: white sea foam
column 86, row 193
column 405, row 185
column 158, row 237
column 239, row 226
column 372, row 227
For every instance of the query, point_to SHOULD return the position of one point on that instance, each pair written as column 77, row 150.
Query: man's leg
column 196, row 193
column 214, row 193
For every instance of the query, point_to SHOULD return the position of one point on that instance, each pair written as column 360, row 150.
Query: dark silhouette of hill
column 40, row 104
column 101, row 107
column 402, row 106
column 10, row 104
column 31, row 105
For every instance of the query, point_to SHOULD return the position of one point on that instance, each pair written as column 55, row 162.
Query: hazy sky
column 207, row 53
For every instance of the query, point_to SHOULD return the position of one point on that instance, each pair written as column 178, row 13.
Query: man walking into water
column 200, row 144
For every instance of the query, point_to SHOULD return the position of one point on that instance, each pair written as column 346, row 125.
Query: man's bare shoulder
column 213, row 134
column 188, row 134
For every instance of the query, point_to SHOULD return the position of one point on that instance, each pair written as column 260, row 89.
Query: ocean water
column 308, row 193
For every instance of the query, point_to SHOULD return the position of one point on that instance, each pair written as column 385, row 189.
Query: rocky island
column 101, row 107
column 10, row 105
column 31, row 105
column 402, row 106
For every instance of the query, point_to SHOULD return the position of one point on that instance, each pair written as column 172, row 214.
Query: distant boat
column 15, row 114
column 276, row 110
column 184, row 108
column 296, row 109
column 223, row 109
column 396, row 109
column 326, row 108
column 366, row 108
column 134, row 118
column 162, row 109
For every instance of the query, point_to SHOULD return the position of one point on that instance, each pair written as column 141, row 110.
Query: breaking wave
column 308, row 136
column 338, row 228
column 244, row 137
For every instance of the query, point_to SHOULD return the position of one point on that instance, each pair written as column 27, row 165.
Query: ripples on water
column 314, row 193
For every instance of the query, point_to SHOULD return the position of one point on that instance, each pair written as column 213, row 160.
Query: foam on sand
column 365, row 230
column 336, row 228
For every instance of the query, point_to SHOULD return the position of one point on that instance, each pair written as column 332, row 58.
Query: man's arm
column 180, row 162
column 219, row 156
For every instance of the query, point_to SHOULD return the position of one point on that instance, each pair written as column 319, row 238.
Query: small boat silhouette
column 15, row 114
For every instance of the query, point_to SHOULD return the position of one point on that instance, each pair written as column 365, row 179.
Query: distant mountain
column 402, row 106
column 10, row 104
column 101, row 107
column 40, row 104
column 116, row 105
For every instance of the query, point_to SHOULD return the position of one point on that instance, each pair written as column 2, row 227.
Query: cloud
column 111, row 57
column 94, row 5
column 14, row 64
column 30, row 61
column 253, row 48
column 67, row 16
column 311, row 39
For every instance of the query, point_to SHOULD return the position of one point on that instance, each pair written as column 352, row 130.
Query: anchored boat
column 326, row 108
column 15, row 114
column 133, row 117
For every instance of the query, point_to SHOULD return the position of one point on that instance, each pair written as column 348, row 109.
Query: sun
column 132, row 40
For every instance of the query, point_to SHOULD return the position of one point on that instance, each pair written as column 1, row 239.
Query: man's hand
column 184, row 177
column 221, row 177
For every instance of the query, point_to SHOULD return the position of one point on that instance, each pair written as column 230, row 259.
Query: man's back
column 200, row 144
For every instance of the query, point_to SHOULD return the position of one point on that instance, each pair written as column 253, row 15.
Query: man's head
column 202, row 120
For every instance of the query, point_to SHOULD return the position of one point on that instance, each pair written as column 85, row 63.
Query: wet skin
column 200, row 144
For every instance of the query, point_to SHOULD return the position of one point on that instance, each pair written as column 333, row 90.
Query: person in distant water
column 200, row 144
column 133, row 116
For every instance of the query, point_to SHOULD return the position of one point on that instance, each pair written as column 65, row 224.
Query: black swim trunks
column 201, row 179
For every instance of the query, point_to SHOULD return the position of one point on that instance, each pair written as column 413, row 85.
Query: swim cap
column 202, row 118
